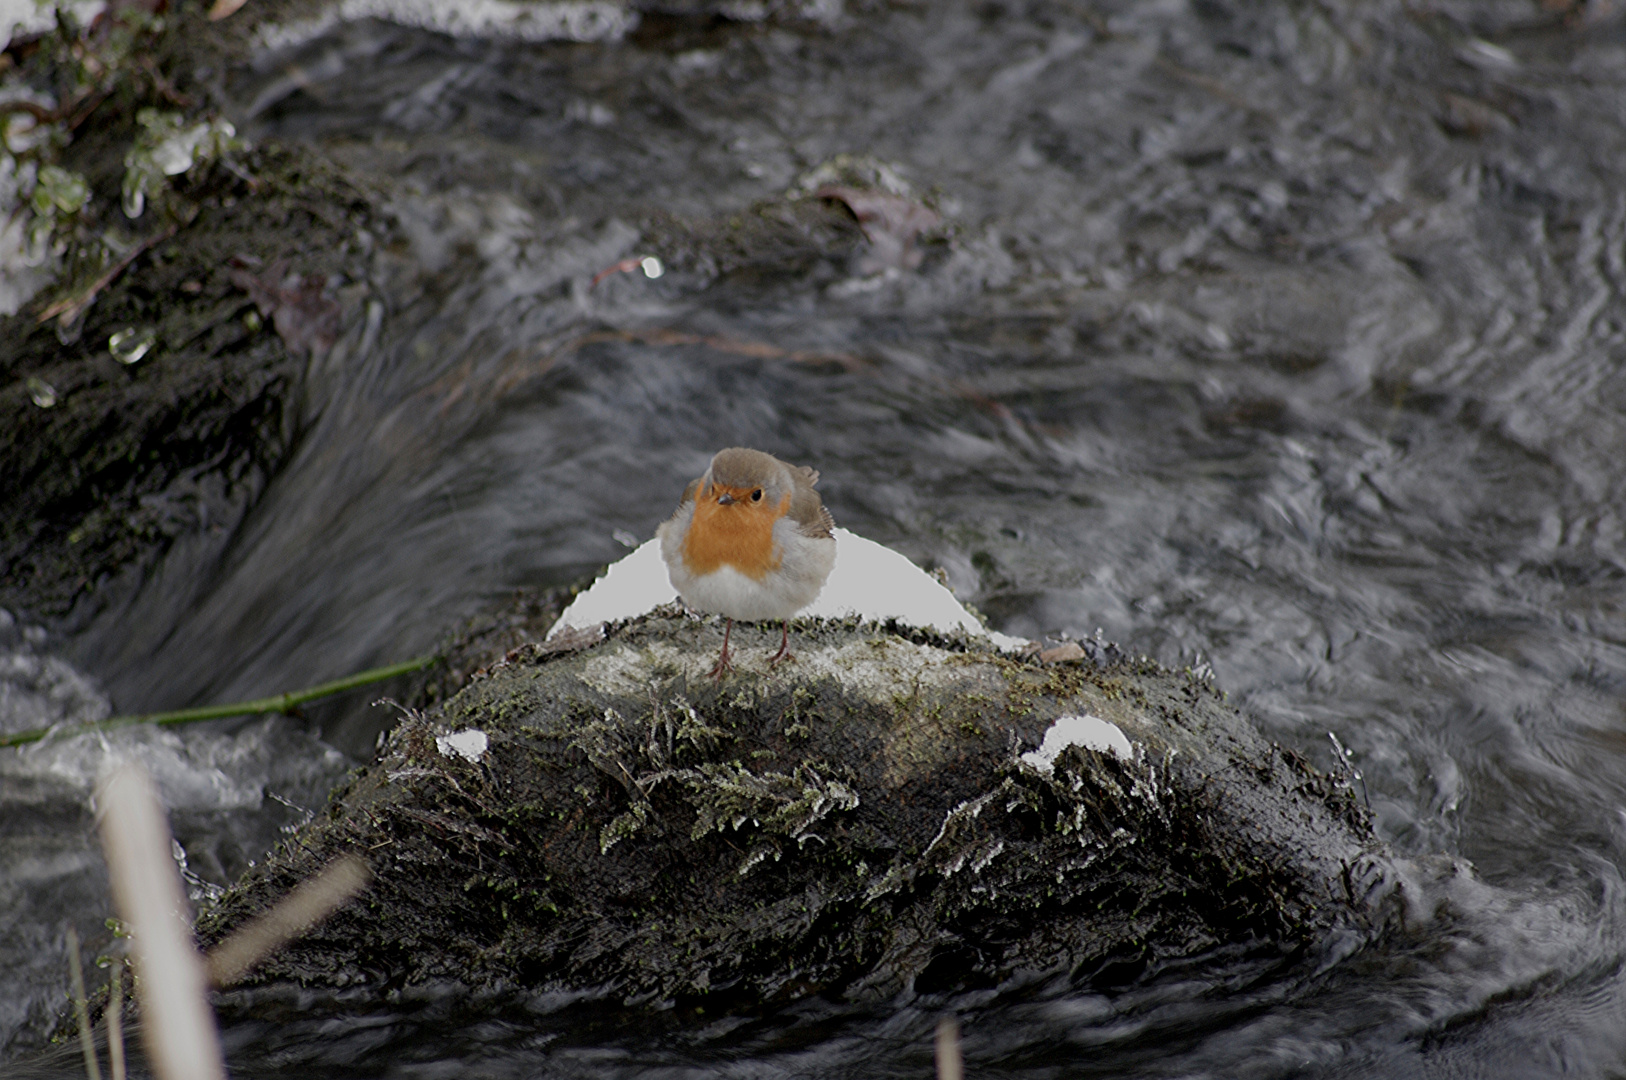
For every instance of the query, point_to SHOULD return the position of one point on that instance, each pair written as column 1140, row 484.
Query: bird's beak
column 724, row 499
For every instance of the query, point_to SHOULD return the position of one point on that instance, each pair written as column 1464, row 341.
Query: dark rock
column 859, row 821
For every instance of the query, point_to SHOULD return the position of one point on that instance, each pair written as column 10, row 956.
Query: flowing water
column 1288, row 338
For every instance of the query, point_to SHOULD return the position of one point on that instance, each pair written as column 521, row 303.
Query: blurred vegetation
column 153, row 269
column 77, row 215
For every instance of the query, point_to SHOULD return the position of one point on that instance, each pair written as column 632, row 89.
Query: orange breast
column 738, row 535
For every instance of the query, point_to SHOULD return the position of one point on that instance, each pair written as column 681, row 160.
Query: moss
column 796, row 831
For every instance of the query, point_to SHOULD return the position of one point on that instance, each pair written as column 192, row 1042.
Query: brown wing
column 690, row 493
column 806, row 508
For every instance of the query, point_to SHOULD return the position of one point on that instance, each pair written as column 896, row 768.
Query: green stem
column 280, row 703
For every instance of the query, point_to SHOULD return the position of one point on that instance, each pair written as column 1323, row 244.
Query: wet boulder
column 892, row 809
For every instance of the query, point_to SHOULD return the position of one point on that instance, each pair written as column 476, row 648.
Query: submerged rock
column 891, row 810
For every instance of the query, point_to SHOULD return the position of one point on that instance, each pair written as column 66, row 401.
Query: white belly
column 804, row 565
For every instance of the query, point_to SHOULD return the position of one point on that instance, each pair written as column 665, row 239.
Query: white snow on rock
column 1087, row 731
column 869, row 581
column 469, row 744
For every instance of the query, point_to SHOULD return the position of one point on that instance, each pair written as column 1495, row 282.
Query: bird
column 750, row 539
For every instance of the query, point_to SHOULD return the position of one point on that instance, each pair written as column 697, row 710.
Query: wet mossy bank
column 127, row 457
column 152, row 376
column 860, row 821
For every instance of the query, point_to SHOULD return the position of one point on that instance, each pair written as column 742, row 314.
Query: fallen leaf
column 303, row 317
column 1068, row 650
column 890, row 223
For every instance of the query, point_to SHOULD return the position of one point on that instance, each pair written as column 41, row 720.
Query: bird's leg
column 722, row 661
column 784, row 644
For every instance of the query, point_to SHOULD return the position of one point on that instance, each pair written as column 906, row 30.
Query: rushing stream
column 1285, row 337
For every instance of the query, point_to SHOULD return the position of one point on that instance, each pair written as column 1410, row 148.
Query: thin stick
column 308, row 904
column 115, row 1021
column 949, row 1064
column 70, row 307
column 81, row 1007
column 280, row 703
column 177, row 1025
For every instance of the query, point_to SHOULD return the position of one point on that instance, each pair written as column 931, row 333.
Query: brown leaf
column 1067, row 650
column 303, row 317
column 890, row 223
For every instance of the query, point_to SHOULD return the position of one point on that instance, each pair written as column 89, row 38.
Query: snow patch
column 869, row 581
column 1087, row 731
column 469, row 744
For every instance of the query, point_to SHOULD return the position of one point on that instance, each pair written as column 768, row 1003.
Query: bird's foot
column 784, row 652
column 722, row 660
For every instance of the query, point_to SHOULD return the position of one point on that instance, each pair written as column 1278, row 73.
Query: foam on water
column 228, row 793
column 195, row 769
column 571, row 20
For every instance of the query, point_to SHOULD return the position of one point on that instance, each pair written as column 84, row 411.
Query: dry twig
column 81, row 1007
column 179, row 1029
column 69, row 308
column 304, row 907
column 949, row 1064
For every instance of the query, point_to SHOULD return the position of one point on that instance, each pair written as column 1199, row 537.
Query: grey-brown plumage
column 751, row 539
column 742, row 468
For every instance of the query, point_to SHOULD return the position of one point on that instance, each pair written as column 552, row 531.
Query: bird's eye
column 756, row 496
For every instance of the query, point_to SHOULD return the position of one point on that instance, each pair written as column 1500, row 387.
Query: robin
column 749, row 540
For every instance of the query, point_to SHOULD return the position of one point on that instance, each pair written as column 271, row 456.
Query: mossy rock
column 858, row 821
column 129, row 458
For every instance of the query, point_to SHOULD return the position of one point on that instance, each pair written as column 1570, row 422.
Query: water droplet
column 42, row 392
column 652, row 266
column 129, row 345
column 70, row 326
